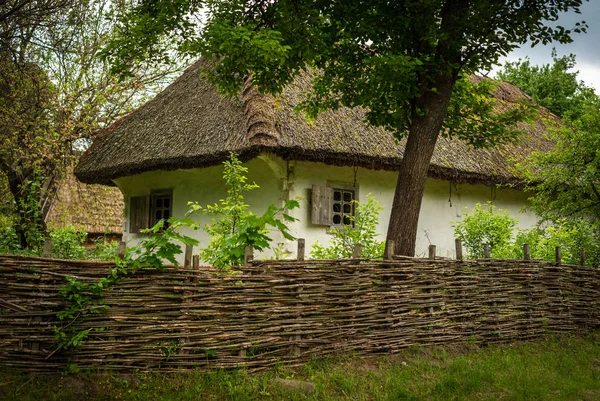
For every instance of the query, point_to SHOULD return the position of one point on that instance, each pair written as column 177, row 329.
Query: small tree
column 362, row 230
column 234, row 226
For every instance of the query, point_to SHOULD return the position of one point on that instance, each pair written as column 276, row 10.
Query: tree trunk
column 422, row 137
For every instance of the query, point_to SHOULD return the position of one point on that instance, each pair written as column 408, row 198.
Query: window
column 342, row 206
column 161, row 206
column 146, row 211
column 333, row 206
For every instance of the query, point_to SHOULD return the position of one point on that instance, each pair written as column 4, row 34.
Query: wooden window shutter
column 321, row 205
column 139, row 213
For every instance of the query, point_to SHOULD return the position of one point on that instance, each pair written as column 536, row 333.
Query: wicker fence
column 288, row 311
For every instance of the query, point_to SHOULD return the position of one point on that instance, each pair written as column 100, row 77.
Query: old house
column 170, row 150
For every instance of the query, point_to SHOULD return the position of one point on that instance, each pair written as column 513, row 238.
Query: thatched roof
column 97, row 209
column 190, row 125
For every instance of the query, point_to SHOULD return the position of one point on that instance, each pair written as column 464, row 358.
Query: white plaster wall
column 203, row 185
column 436, row 215
column 280, row 180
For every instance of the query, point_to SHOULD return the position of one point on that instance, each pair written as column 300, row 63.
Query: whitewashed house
column 170, row 150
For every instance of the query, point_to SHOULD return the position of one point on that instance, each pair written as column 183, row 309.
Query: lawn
column 554, row 368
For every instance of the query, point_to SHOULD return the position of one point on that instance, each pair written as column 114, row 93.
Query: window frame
column 166, row 193
column 322, row 207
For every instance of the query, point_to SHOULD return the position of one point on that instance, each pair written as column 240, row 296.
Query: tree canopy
column 565, row 183
column 405, row 61
column 54, row 91
column 554, row 86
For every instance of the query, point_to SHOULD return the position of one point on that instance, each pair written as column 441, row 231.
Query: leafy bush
column 570, row 236
column 234, row 226
column 486, row 225
column 103, row 249
column 67, row 243
column 9, row 242
column 363, row 232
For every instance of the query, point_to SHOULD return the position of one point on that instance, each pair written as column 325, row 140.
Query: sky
column 585, row 46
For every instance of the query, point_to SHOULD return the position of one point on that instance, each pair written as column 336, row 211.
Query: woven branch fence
column 287, row 311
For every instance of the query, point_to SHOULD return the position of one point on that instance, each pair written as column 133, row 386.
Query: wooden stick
column 582, row 257
column 459, row 249
column 187, row 260
column 432, row 252
column 357, row 251
column 390, row 249
column 526, row 252
column 47, row 248
column 558, row 255
column 301, row 248
column 249, row 255
column 486, row 251
column 121, row 250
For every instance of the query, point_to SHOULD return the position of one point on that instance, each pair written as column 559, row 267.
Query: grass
column 554, row 368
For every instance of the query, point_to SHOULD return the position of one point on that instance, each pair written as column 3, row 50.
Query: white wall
column 437, row 212
column 280, row 180
column 203, row 185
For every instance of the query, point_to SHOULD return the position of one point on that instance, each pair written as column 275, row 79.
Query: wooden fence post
column 558, row 255
column 301, row 249
column 357, row 251
column 121, row 249
column 432, row 252
column 390, row 245
column 249, row 255
column 187, row 264
column 248, row 259
column 459, row 249
column 582, row 257
column 187, row 259
column 47, row 248
column 296, row 348
column 486, row 251
column 526, row 252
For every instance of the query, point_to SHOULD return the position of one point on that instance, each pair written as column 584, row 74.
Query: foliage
column 552, row 86
column 362, row 230
column 103, row 249
column 67, row 243
column 405, row 62
column 565, row 182
column 9, row 241
column 55, row 95
column 485, row 225
column 571, row 236
column 234, row 226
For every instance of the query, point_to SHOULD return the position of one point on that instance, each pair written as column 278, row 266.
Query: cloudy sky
column 585, row 46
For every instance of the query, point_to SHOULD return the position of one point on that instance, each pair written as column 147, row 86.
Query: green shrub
column 570, row 236
column 103, row 249
column 68, row 243
column 363, row 232
column 486, row 225
column 9, row 241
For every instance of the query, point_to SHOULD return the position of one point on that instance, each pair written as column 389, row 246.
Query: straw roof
column 97, row 209
column 189, row 125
